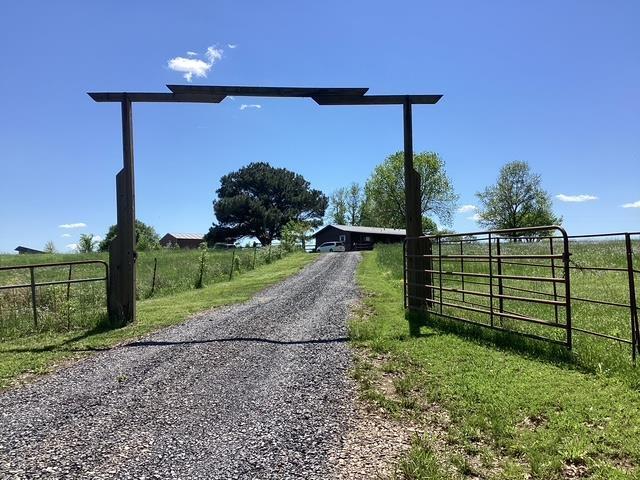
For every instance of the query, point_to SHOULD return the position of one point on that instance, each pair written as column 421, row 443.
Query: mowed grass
column 512, row 410
column 38, row 354
column 83, row 305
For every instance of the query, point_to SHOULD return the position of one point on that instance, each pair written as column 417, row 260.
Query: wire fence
column 60, row 296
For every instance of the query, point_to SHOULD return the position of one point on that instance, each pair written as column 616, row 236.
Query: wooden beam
column 155, row 97
column 266, row 91
column 375, row 99
column 419, row 296
column 127, row 219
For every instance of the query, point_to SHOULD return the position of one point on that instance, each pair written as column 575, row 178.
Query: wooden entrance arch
column 122, row 252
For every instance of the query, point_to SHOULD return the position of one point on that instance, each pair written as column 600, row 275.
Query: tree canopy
column 384, row 204
column 86, row 244
column 346, row 205
column 146, row 235
column 259, row 200
column 516, row 200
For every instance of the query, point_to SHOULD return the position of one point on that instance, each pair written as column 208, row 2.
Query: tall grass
column 589, row 351
column 83, row 305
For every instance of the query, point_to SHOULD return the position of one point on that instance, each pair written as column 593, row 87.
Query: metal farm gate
column 496, row 280
column 520, row 281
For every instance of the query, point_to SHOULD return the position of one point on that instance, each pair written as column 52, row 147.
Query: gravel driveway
column 257, row 390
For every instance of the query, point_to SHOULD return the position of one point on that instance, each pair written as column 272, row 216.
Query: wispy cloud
column 231, row 45
column 476, row 217
column 73, row 225
column 632, row 205
column 214, row 53
column 244, row 106
column 195, row 66
column 65, row 235
column 575, row 198
column 467, row 208
column 72, row 246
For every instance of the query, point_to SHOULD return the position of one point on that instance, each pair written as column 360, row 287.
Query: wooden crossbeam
column 376, row 99
column 267, row 91
column 155, row 97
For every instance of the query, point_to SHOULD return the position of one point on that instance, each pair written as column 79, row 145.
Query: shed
column 26, row 250
column 358, row 238
column 183, row 240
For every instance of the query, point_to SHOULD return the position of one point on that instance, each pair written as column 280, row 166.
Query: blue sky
column 554, row 83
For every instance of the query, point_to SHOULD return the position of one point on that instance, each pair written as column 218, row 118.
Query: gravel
column 258, row 390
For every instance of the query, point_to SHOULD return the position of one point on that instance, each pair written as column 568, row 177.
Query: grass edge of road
column 22, row 358
column 484, row 410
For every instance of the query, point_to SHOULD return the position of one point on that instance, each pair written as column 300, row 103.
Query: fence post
column 404, row 272
column 462, row 268
column 233, row 259
column 68, row 296
column 255, row 249
column 632, row 297
column 440, row 271
column 500, row 286
column 33, row 297
column 490, row 282
column 153, row 280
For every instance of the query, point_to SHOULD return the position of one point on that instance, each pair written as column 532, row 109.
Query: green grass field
column 39, row 353
column 177, row 271
column 494, row 406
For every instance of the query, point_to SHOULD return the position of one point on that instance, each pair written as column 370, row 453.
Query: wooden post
column 419, row 296
column 122, row 253
column 68, row 297
column 233, row 259
column 153, row 281
column 33, row 297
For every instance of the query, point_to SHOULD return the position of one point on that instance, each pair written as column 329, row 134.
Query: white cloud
column 632, row 205
column 244, row 106
column 231, row 45
column 575, row 198
column 65, row 235
column 214, row 54
column 467, row 208
column 195, row 66
column 73, row 225
column 192, row 54
column 189, row 67
column 476, row 217
column 97, row 238
column 72, row 246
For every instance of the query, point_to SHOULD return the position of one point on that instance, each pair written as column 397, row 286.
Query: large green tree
column 346, row 205
column 259, row 200
column 516, row 200
column 146, row 235
column 384, row 204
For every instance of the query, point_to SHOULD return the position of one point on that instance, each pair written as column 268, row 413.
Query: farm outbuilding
column 26, row 250
column 358, row 238
column 182, row 240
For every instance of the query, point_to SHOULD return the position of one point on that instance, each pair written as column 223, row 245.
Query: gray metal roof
column 373, row 230
column 186, row 236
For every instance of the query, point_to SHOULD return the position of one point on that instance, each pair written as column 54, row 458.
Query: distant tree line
column 269, row 203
